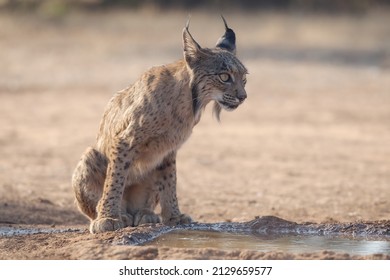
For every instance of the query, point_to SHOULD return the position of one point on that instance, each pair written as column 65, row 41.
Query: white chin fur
column 218, row 106
column 228, row 108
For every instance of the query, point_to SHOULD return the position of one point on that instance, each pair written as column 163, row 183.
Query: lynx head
column 218, row 75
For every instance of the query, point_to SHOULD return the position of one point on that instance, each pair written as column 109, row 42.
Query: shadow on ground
column 41, row 212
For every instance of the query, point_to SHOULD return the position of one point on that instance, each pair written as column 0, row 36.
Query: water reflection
column 264, row 243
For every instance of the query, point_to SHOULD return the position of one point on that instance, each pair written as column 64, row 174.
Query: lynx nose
column 241, row 96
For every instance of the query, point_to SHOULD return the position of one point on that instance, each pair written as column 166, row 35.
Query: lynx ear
column 190, row 46
column 228, row 40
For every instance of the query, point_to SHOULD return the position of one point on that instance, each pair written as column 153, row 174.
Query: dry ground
column 310, row 144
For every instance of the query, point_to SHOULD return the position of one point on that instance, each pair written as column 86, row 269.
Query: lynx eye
column 244, row 79
column 224, row 77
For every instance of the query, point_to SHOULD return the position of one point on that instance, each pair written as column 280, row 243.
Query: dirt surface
column 309, row 145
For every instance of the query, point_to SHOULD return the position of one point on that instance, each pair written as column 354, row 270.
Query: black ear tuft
column 228, row 40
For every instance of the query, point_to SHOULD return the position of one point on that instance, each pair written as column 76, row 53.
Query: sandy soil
column 310, row 144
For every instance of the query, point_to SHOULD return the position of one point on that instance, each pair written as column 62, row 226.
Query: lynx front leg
column 170, row 212
column 109, row 206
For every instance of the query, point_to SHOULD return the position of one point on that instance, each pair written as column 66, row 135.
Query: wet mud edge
column 11, row 230
column 267, row 225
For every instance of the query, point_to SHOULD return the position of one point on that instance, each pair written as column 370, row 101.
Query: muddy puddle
column 265, row 243
column 263, row 234
column 268, row 234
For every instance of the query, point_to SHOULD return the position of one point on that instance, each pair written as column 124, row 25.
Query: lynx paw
column 146, row 217
column 127, row 219
column 178, row 220
column 105, row 224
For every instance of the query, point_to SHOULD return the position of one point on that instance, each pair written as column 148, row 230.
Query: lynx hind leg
column 139, row 202
column 87, row 181
column 146, row 216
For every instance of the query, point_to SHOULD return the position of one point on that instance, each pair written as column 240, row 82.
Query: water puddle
column 263, row 234
column 291, row 243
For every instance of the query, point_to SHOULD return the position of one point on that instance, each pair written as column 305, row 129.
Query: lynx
column 132, row 167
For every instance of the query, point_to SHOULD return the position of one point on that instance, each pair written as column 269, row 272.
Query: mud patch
column 61, row 242
column 9, row 231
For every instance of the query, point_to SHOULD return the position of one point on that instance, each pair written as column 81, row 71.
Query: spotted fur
column 132, row 166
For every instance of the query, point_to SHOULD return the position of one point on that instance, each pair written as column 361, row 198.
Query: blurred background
column 311, row 142
column 307, row 5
